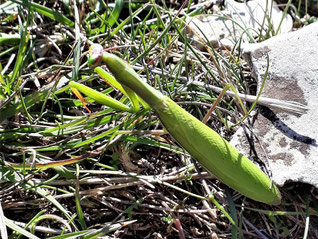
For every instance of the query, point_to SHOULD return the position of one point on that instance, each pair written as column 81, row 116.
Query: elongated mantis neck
column 129, row 78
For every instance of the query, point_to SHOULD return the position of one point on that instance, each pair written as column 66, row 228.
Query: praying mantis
column 206, row 146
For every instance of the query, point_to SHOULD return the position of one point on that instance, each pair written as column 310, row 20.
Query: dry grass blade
column 282, row 105
column 51, row 231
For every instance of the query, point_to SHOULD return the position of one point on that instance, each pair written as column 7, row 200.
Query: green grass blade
column 8, row 174
column 9, row 50
column 93, row 139
column 7, row 7
column 16, row 228
column 10, row 136
column 233, row 213
column 73, row 235
column 24, row 107
column 11, row 39
column 80, row 124
column 163, row 34
column 121, row 25
column 30, row 100
column 22, row 49
column 107, row 229
column 197, row 56
column 77, row 50
column 115, row 13
column 155, row 143
column 283, row 17
column 47, row 12
column 50, row 198
column 28, row 225
column 78, row 201
column 59, row 130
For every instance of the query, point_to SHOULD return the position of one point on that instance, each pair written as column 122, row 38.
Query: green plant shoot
column 213, row 152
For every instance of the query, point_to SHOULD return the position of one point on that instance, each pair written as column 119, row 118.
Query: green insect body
column 205, row 145
column 216, row 154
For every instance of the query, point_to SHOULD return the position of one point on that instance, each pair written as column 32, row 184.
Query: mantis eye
column 95, row 55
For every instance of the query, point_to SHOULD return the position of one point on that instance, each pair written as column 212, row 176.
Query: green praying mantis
column 213, row 152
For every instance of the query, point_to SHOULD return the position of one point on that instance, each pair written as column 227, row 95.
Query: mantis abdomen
column 216, row 154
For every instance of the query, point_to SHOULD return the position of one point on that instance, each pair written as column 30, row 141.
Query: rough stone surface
column 286, row 143
column 227, row 28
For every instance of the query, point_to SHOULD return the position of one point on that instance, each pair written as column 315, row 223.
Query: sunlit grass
column 130, row 173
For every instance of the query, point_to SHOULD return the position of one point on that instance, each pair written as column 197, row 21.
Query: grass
column 130, row 180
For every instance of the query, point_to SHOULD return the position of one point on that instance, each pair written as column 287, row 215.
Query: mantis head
column 95, row 55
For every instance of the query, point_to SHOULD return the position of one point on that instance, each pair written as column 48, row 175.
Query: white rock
column 255, row 14
column 287, row 143
column 227, row 28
